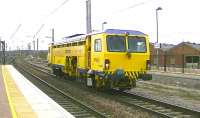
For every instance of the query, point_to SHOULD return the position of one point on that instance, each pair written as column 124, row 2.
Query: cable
column 133, row 6
column 38, row 30
column 57, row 8
column 51, row 13
column 14, row 33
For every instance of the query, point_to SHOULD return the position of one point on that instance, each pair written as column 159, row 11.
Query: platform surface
column 26, row 100
column 4, row 106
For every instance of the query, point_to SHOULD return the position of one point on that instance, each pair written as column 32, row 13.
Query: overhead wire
column 38, row 30
column 108, row 16
column 133, row 6
column 16, row 30
column 57, row 8
column 51, row 13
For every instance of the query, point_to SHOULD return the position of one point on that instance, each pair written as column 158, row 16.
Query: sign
column 156, row 45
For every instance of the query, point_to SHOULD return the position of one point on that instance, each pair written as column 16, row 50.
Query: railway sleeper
column 157, row 108
column 173, row 113
column 68, row 105
column 65, row 103
column 184, row 116
column 79, row 112
column 82, row 115
column 150, row 106
column 72, row 107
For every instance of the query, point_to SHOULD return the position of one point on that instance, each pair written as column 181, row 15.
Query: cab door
column 97, row 53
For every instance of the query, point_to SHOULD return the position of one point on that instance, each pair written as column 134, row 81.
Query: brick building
column 161, row 52
column 183, row 55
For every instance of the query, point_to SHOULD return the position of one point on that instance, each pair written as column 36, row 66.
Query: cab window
column 136, row 44
column 97, row 45
column 116, row 43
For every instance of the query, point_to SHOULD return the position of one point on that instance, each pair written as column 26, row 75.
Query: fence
column 186, row 63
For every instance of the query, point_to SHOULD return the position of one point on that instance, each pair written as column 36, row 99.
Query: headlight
column 106, row 64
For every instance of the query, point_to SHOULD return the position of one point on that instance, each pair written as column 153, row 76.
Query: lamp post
column 158, row 46
column 103, row 25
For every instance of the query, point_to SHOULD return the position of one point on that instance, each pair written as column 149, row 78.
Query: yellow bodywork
column 73, row 56
column 59, row 55
column 137, row 61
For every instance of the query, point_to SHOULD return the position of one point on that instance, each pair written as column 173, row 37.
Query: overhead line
column 56, row 9
column 15, row 31
column 38, row 30
column 133, row 6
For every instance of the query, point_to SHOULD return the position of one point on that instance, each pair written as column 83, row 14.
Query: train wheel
column 97, row 82
column 107, row 85
column 122, row 89
column 54, row 71
column 133, row 83
column 66, row 76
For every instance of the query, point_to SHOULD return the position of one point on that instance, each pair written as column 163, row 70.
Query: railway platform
column 19, row 98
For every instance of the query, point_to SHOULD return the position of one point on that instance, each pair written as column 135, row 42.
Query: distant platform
column 21, row 99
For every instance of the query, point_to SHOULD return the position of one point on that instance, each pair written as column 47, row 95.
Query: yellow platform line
column 19, row 107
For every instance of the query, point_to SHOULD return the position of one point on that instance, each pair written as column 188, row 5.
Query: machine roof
column 78, row 37
column 119, row 31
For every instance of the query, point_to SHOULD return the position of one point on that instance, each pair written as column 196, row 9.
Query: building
column 183, row 55
column 161, row 52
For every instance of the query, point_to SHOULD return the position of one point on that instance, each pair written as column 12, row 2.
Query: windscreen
column 116, row 43
column 136, row 44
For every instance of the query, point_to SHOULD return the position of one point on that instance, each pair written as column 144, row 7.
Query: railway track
column 42, row 68
column 158, row 107
column 72, row 105
column 177, row 75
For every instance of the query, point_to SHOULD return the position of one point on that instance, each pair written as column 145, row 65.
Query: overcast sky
column 178, row 21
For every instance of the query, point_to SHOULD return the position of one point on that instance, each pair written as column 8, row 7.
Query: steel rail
column 43, row 68
column 156, row 106
column 152, row 105
column 71, row 104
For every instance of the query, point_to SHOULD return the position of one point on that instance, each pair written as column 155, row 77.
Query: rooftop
column 194, row 45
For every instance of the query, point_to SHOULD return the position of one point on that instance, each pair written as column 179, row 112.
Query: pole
column 4, row 55
column 0, row 51
column 183, row 63
column 159, row 8
column 37, row 45
column 165, row 61
column 34, row 47
column 157, row 51
column 88, row 17
column 3, row 51
column 0, row 43
column 103, row 25
column 157, row 24
column 52, row 35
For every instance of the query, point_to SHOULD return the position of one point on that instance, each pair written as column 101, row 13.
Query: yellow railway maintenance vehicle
column 110, row 59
